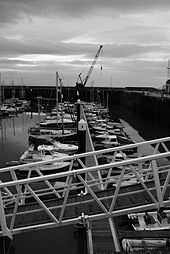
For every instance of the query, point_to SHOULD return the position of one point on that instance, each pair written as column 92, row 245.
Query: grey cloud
column 34, row 46
column 15, row 48
column 13, row 62
column 127, row 50
column 11, row 10
column 124, row 73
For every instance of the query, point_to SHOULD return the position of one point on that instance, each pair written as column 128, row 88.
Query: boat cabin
column 154, row 220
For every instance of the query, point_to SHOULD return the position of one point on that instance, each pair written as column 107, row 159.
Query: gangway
column 40, row 201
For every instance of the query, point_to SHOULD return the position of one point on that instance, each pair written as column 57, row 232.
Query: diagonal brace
column 42, row 204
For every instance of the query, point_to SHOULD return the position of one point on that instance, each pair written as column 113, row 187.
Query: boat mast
column 57, row 94
column 0, row 89
column 107, row 99
column 13, row 91
column 61, row 96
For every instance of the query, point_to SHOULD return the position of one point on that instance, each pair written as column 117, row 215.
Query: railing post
column 82, row 126
column 81, row 235
column 78, row 112
column 89, row 237
column 157, row 182
column 6, row 245
column 114, row 235
column 5, row 230
column 6, row 239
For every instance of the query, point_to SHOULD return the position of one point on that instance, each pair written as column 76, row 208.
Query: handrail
column 75, row 156
column 66, row 197
column 85, row 170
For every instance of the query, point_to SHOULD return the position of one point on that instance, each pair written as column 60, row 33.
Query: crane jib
column 80, row 83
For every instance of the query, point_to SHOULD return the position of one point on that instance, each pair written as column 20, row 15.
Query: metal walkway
column 84, row 193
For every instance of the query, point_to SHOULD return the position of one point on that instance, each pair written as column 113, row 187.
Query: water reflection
column 14, row 136
column 13, row 142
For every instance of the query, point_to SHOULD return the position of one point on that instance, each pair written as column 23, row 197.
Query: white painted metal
column 89, row 237
column 11, row 190
column 99, row 152
column 157, row 182
column 81, row 171
column 117, row 190
column 66, row 193
column 114, row 235
column 46, row 209
column 4, row 228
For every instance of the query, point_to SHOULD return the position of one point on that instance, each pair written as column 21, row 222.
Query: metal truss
column 84, row 193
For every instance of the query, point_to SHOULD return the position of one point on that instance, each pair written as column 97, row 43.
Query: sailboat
column 59, row 125
column 60, row 121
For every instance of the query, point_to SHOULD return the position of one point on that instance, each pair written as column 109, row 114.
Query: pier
column 84, row 127
column 44, row 202
column 90, row 196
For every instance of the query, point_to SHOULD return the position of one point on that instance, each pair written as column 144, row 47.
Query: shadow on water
column 59, row 240
column 148, row 129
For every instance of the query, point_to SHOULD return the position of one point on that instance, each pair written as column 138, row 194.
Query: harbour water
column 14, row 136
column 14, row 141
column 14, row 132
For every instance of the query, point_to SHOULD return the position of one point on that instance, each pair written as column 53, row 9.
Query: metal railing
column 31, row 200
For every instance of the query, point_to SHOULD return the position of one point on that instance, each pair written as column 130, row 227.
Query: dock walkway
column 124, row 191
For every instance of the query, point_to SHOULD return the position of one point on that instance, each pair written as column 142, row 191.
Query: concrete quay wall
column 153, row 107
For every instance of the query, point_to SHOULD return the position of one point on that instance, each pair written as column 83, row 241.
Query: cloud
column 37, row 47
column 12, row 10
column 40, row 37
column 66, row 51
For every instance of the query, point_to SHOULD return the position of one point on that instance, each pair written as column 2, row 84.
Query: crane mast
column 80, row 83
column 92, row 65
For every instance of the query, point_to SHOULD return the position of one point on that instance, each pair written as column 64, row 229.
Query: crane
column 81, row 83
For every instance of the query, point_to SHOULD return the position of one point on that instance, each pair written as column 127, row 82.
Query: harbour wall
column 151, row 107
column 147, row 103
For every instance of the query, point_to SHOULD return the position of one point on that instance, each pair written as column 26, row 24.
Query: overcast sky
column 40, row 37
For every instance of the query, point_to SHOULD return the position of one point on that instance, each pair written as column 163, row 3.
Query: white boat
column 100, row 121
column 119, row 156
column 115, row 131
column 59, row 147
column 108, row 140
column 45, row 155
column 55, row 167
column 128, row 180
column 49, row 168
column 130, row 245
column 58, row 117
column 55, row 121
column 153, row 220
column 32, row 155
column 52, row 117
column 91, row 122
column 67, row 123
column 99, row 129
column 54, row 132
column 8, row 109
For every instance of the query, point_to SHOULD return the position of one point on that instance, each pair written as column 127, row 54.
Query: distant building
column 167, row 87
